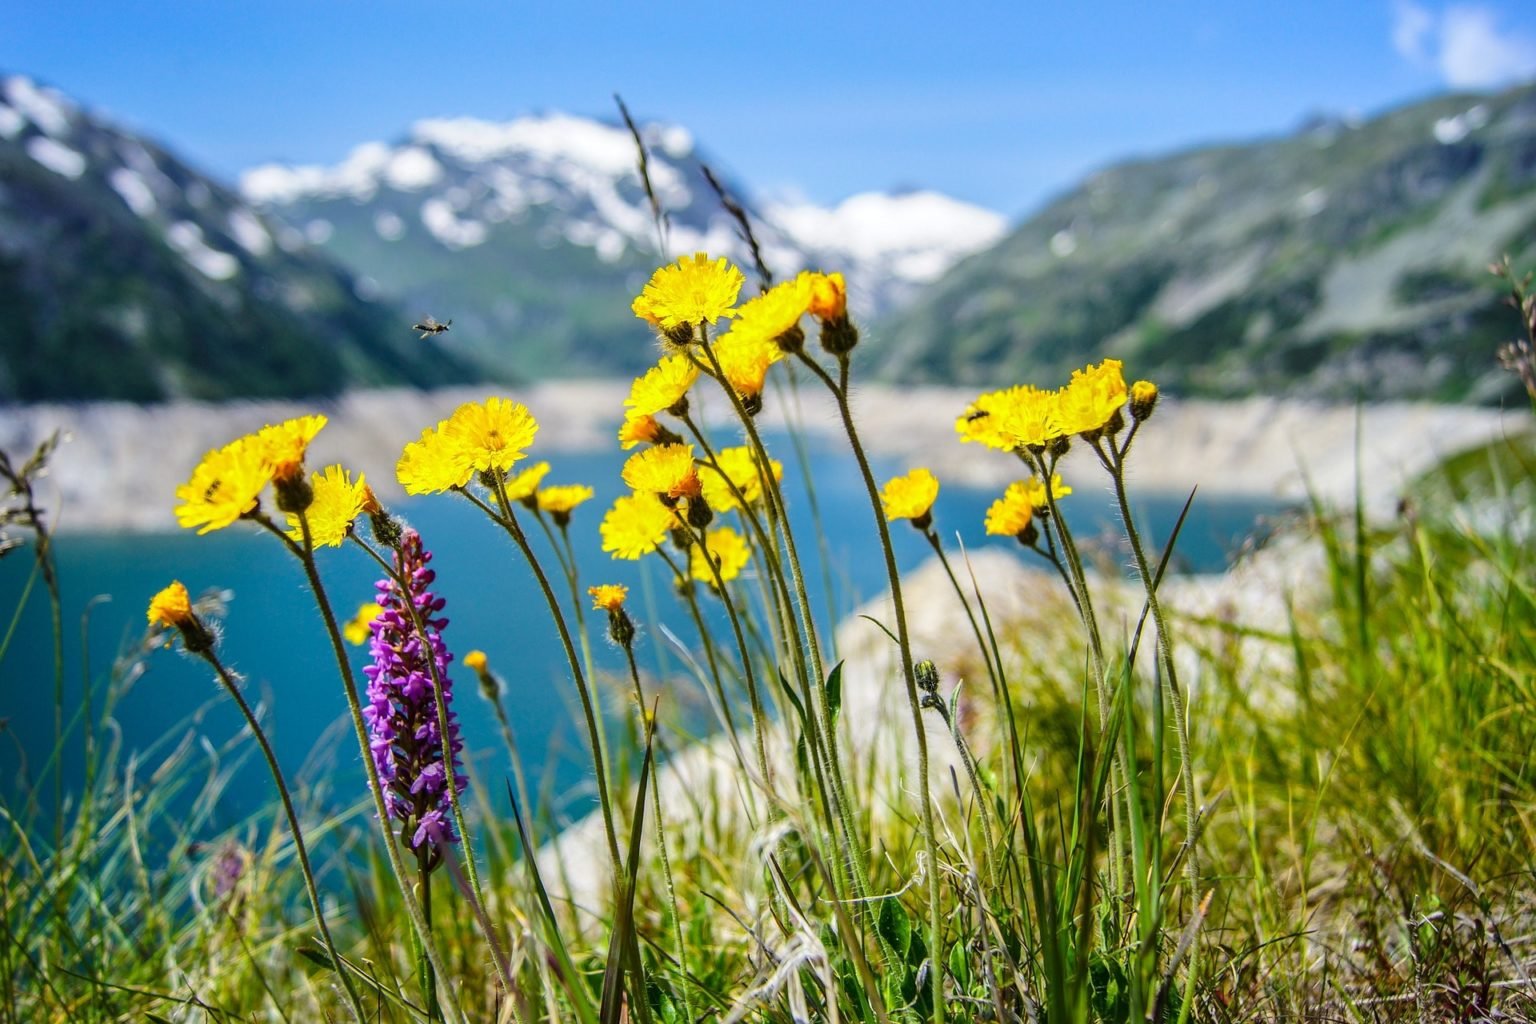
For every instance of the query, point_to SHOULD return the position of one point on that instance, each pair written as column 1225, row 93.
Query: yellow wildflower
column 491, row 435
column 1092, row 399
column 1039, row 500
column 476, row 661
column 1010, row 418
column 1011, row 515
column 523, row 485
column 666, row 470
column 726, row 548
column 636, row 525
column 285, row 443
column 739, row 467
column 224, row 486
column 829, row 296
column 693, row 290
column 662, row 387
column 911, row 497
column 777, row 311
column 337, row 504
column 745, row 356
column 171, row 607
column 560, row 500
column 638, row 429
column 433, row 464
column 608, row 596
column 357, row 628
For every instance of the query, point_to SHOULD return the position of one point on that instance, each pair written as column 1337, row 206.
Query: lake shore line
column 122, row 463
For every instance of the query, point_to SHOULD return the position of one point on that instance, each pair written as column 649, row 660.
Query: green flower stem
column 477, row 895
column 839, row 389
column 1114, row 462
column 299, row 845
column 754, row 696
column 661, row 848
column 709, row 656
column 305, row 554
column 507, row 520
column 994, row 667
column 814, row 694
column 1084, row 597
column 424, row 883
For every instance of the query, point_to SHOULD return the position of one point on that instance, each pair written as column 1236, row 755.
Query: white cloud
column 1465, row 44
column 1412, row 27
column 1475, row 54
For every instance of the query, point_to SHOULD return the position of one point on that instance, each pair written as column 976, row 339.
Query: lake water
column 274, row 637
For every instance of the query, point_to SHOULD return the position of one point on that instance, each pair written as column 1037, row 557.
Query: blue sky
column 1000, row 104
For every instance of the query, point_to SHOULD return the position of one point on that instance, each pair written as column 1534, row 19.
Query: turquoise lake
column 274, row 638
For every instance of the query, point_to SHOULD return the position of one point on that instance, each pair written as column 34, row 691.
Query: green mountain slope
column 125, row 274
column 1345, row 259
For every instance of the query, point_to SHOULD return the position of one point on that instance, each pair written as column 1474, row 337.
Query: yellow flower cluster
column 228, row 482
column 479, row 437
column 1026, row 417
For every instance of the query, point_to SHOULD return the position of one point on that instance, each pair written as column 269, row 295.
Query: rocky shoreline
column 122, row 462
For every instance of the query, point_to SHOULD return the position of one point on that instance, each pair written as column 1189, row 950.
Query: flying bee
column 429, row 326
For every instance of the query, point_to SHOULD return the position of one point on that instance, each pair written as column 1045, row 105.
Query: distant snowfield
column 123, row 462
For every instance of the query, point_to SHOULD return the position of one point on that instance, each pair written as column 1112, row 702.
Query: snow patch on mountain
column 56, row 156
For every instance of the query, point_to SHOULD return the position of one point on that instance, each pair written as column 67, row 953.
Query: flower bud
column 1143, row 400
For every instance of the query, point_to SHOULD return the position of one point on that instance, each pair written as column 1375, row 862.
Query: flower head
column 745, row 355
column 432, row 464
column 1013, row 513
column 224, row 486
column 829, row 296
column 663, row 387
column 1092, row 399
column 490, row 435
column 1039, row 499
column 724, row 547
column 286, row 443
column 1143, row 399
column 337, row 504
column 911, row 497
column 691, row 291
column 736, row 466
column 639, row 430
column 475, row 661
column 1010, row 419
column 522, row 486
column 608, row 596
column 560, row 500
column 356, row 630
column 777, row 311
column 667, row 470
column 636, row 525
column 171, row 607
column 406, row 682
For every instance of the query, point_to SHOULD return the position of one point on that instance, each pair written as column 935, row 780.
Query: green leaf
column 835, row 693
column 960, row 966
column 894, row 925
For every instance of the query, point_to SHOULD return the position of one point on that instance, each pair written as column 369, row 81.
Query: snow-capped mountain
column 534, row 233
column 127, row 274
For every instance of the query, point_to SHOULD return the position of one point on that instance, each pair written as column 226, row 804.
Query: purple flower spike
column 402, row 704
